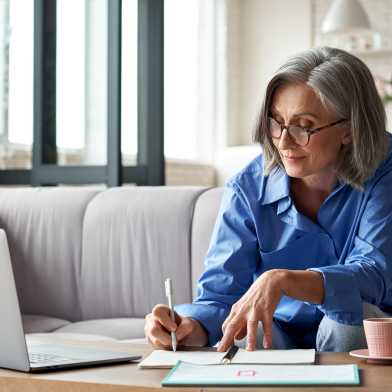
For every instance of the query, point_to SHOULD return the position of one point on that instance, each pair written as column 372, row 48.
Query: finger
column 184, row 329
column 251, row 327
column 157, row 344
column 227, row 321
column 232, row 328
column 267, row 330
column 236, row 310
column 162, row 314
column 241, row 334
column 157, row 335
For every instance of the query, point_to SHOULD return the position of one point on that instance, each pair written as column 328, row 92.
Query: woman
column 302, row 245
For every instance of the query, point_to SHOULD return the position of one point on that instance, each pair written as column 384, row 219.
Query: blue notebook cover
column 187, row 374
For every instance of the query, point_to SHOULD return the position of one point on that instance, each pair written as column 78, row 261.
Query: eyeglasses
column 300, row 135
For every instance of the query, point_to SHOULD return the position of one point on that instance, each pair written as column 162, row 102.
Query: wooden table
column 128, row 377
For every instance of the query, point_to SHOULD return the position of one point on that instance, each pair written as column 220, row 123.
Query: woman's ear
column 347, row 136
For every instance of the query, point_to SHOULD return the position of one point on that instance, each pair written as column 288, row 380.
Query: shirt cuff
column 342, row 298
column 209, row 316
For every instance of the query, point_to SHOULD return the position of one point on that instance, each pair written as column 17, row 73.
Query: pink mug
column 378, row 332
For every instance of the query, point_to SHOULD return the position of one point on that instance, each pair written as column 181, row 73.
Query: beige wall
column 261, row 34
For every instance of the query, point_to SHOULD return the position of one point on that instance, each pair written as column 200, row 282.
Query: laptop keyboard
column 46, row 354
column 41, row 357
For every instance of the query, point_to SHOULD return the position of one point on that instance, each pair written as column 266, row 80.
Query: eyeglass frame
column 309, row 132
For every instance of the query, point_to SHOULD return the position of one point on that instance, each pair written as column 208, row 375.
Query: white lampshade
column 345, row 16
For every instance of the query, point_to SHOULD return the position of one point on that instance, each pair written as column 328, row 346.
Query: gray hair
column 344, row 85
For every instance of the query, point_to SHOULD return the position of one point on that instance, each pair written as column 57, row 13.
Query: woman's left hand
column 257, row 304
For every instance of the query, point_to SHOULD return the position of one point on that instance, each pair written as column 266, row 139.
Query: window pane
column 81, row 91
column 181, row 65
column 193, row 62
column 16, row 83
column 129, row 82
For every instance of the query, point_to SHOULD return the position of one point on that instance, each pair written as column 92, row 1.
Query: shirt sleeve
column 366, row 274
column 231, row 262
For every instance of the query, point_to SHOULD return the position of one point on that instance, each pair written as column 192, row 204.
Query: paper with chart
column 187, row 374
column 168, row 359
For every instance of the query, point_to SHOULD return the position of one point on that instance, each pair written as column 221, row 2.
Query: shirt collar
column 277, row 187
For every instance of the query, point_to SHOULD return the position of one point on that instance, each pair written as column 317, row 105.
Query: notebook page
column 167, row 359
column 295, row 356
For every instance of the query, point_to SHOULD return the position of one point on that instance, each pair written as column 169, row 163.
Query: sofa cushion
column 117, row 328
column 35, row 323
column 44, row 231
column 206, row 211
column 134, row 238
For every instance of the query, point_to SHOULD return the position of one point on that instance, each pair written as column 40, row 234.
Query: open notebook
column 168, row 359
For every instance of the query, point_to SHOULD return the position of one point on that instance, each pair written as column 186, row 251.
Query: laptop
column 17, row 354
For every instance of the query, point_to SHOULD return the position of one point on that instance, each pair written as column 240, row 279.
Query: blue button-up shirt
column 259, row 228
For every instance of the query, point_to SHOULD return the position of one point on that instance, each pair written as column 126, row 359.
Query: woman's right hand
column 159, row 325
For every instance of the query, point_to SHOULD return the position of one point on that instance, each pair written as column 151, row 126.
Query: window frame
column 149, row 169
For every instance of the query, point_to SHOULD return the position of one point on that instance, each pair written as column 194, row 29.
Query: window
column 16, row 84
column 72, row 60
column 83, row 97
column 193, row 97
column 129, row 90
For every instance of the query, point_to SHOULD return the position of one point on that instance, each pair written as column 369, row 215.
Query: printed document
column 168, row 359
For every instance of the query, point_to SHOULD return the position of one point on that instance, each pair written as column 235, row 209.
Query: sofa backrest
column 133, row 239
column 44, row 232
column 86, row 253
column 206, row 211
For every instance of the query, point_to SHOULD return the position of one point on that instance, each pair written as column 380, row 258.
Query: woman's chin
column 296, row 172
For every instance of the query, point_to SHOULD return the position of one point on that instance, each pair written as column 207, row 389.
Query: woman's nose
column 286, row 140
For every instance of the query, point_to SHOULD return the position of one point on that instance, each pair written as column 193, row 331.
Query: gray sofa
column 93, row 260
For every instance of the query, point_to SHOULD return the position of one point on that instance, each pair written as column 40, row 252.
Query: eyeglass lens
column 298, row 134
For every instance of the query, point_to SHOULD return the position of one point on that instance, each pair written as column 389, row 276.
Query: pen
column 169, row 294
column 230, row 354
